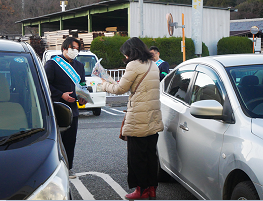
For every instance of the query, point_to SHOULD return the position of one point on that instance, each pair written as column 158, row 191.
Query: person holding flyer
column 143, row 118
column 62, row 87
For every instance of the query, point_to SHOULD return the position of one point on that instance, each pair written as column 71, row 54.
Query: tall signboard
column 141, row 17
column 197, row 24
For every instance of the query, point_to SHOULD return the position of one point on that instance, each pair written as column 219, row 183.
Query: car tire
column 96, row 111
column 244, row 191
column 162, row 176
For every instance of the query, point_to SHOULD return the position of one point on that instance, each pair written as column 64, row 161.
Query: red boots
column 152, row 192
column 136, row 195
column 146, row 194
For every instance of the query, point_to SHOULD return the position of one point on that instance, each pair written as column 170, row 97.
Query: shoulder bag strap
column 142, row 78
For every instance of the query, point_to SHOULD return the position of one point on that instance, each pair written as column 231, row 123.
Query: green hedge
column 234, row 45
column 108, row 48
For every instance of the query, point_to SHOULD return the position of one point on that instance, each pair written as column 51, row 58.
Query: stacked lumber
column 87, row 38
column 55, row 38
column 111, row 29
column 110, row 34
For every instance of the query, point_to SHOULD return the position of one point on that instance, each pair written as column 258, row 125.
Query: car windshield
column 88, row 61
column 248, row 82
column 21, row 101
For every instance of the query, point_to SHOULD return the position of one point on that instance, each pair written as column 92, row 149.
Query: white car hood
column 257, row 127
column 93, row 81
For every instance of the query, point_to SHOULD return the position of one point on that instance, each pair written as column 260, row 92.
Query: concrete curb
column 117, row 101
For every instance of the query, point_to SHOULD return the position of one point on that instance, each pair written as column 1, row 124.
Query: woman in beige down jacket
column 143, row 118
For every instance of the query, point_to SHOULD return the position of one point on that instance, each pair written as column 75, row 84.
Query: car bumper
column 99, row 100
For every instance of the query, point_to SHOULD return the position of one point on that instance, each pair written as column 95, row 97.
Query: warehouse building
column 124, row 16
column 242, row 27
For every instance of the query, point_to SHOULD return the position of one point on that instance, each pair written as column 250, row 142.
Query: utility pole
column 172, row 25
column 23, row 8
column 141, row 17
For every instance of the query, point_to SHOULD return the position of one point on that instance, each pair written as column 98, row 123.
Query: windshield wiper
column 19, row 135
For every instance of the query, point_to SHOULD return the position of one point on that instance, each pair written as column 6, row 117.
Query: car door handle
column 184, row 127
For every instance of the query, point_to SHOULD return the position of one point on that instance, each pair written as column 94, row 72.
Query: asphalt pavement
column 100, row 160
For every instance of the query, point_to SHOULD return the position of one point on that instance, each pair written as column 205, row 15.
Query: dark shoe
column 72, row 174
column 138, row 195
column 152, row 192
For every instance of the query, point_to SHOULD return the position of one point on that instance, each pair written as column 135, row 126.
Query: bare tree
column 249, row 10
column 9, row 13
column 16, row 10
column 35, row 8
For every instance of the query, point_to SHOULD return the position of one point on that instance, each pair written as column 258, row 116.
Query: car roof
column 11, row 46
column 57, row 52
column 230, row 60
column 239, row 59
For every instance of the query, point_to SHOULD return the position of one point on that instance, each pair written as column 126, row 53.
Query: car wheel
column 162, row 176
column 96, row 111
column 244, row 191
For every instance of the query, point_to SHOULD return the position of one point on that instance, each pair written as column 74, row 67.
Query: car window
column 179, row 82
column 167, row 80
column 207, row 86
column 21, row 102
column 88, row 61
column 248, row 82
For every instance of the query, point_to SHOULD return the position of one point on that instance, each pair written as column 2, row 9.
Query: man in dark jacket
column 162, row 65
column 63, row 90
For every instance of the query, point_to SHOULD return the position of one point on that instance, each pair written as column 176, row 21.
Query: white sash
column 68, row 69
column 74, row 76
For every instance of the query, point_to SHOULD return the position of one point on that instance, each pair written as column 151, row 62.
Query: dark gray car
column 33, row 160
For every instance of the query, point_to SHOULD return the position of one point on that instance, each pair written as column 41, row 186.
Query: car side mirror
column 207, row 109
column 63, row 115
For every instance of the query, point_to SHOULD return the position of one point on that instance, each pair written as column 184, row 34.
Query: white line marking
column 108, row 112
column 116, row 110
column 83, row 191
column 79, row 186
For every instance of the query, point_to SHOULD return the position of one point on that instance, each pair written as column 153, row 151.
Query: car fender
column 226, row 174
column 237, row 158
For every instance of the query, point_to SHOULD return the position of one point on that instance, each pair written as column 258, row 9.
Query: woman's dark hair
column 69, row 42
column 135, row 49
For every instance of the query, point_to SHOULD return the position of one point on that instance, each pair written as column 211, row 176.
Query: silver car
column 212, row 141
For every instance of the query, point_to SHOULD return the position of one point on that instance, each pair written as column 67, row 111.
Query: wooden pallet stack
column 114, row 29
column 55, row 38
column 87, row 38
column 109, row 34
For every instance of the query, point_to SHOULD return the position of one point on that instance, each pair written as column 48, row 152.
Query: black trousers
column 142, row 161
column 69, row 140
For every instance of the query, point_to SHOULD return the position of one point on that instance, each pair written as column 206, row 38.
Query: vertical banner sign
column 141, row 17
column 197, row 24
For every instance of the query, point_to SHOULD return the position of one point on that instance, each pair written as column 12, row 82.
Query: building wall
column 216, row 22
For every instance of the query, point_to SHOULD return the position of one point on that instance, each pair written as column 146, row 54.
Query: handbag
column 123, row 121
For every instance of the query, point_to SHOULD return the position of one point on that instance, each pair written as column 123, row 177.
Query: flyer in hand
column 83, row 92
column 99, row 71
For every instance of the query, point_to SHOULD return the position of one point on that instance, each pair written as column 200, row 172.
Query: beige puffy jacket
column 143, row 116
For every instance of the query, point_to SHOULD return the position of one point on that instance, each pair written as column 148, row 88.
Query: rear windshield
column 248, row 83
column 22, row 105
